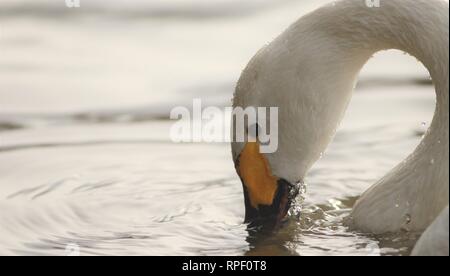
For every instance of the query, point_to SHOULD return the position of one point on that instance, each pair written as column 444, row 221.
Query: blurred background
column 85, row 156
column 118, row 55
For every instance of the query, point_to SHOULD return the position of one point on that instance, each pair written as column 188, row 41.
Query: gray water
column 85, row 154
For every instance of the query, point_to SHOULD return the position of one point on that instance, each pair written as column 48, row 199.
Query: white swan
column 309, row 72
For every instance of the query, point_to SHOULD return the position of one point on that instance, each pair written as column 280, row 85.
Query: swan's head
column 306, row 86
column 270, row 178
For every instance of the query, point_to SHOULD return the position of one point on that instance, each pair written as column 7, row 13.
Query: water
column 85, row 157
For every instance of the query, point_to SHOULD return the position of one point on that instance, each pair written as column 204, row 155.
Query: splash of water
column 298, row 200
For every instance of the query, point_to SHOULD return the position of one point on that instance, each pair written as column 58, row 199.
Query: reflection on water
column 85, row 157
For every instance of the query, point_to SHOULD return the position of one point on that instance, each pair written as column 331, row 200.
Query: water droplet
column 407, row 222
column 408, row 219
column 397, row 205
column 432, row 161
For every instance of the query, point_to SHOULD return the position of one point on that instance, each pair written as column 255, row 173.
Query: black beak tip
column 271, row 217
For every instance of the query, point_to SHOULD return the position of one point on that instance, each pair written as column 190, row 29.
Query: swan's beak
column 267, row 197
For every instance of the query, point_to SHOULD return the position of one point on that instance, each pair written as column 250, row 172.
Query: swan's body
column 435, row 239
column 309, row 72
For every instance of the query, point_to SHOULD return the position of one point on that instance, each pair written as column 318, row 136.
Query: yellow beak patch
column 256, row 174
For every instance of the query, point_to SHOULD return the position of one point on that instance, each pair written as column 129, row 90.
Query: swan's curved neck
column 418, row 27
column 339, row 40
column 312, row 69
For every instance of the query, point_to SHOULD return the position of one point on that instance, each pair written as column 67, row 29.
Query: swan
column 310, row 72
